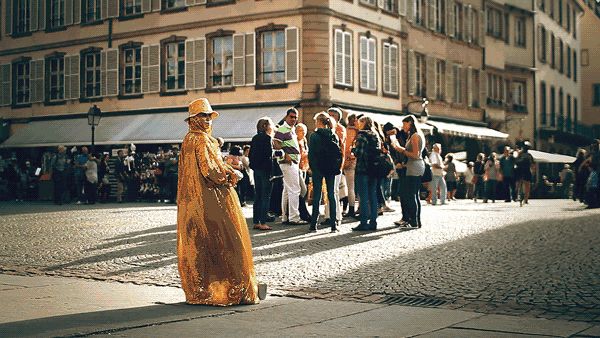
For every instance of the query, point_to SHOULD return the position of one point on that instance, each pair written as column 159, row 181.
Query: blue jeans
column 262, row 184
column 490, row 189
column 366, row 186
column 317, row 188
column 411, row 200
column 438, row 181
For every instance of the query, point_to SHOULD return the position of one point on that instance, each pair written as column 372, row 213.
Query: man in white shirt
column 437, row 170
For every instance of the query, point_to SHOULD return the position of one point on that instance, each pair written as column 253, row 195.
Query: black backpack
column 330, row 157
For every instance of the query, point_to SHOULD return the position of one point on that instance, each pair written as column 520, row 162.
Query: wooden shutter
column 469, row 86
column 189, row 63
column 239, row 54
column 291, row 55
column 412, row 84
column 469, row 20
column 36, row 80
column 410, row 10
column 348, row 64
column 151, row 68
column 482, row 88
column 34, row 14
column 372, row 64
column 156, row 5
column 69, row 12
column 338, row 58
column 386, row 67
column 72, row 84
column 77, row 11
column 482, row 27
column 449, row 82
column 450, row 17
column 432, row 14
column 250, row 67
column 110, row 72
column 430, row 76
column 402, row 7
column 8, row 15
column 112, row 8
column 394, row 69
column 42, row 15
column 5, row 84
column 146, row 6
column 200, row 63
column 380, row 4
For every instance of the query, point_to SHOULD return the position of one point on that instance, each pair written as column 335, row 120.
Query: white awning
column 541, row 156
column 396, row 120
column 234, row 125
column 468, row 131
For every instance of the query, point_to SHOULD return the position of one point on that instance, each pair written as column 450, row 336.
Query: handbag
column 427, row 174
column 382, row 165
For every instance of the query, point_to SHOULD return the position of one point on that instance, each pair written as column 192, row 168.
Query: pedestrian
column 79, row 174
column 383, row 182
column 261, row 162
column 171, row 173
column 122, row 175
column 415, row 168
column 31, row 181
column 234, row 159
column 303, row 165
column 285, row 139
column 451, row 176
column 437, row 171
column 367, row 146
column 566, row 179
column 469, row 176
column 580, row 175
column 523, row 173
column 491, row 177
column 103, row 181
column 91, row 179
column 213, row 244
column 247, row 182
column 350, row 163
column 325, row 157
column 478, row 170
column 132, row 176
column 340, row 131
column 507, row 164
column 58, row 168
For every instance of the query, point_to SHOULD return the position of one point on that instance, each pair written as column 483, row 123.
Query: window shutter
column 250, row 59
column 430, row 76
column 291, row 55
column 394, row 69
column 364, row 63
column 77, row 12
column 338, row 59
column 112, row 8
column 380, row 4
column 190, row 2
column 5, row 84
column 469, row 86
column 72, row 85
column 34, row 16
column 482, row 27
column 8, row 16
column 110, row 72
column 348, row 65
column 151, row 69
column 386, row 68
column 42, row 15
column 69, row 12
column 402, row 7
column 412, row 84
column 410, row 10
column 200, row 63
column 372, row 64
column 450, row 16
column 67, row 77
column 432, row 14
column 189, row 63
column 200, row 2
column 36, row 80
column 147, row 8
column 449, row 82
column 469, row 20
column 239, row 53
column 156, row 5
column 482, row 88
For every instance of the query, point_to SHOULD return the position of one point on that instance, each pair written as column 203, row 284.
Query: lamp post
column 424, row 111
column 93, row 115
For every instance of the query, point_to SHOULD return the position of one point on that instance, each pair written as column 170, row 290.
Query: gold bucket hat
column 200, row 106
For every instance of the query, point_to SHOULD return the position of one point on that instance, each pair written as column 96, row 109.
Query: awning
column 482, row 133
column 541, row 156
column 396, row 120
column 234, row 125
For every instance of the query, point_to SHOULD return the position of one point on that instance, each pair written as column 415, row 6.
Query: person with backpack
column 336, row 114
column 325, row 159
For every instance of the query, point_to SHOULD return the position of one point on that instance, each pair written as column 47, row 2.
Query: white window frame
column 520, row 32
column 177, row 59
column 60, row 79
column 22, row 19
column 134, row 5
column 420, row 74
column 87, row 15
column 368, row 62
column 56, row 13
column 440, row 79
column 274, row 51
column 224, row 56
column 22, row 71
column 519, row 92
column 135, row 63
column 96, row 74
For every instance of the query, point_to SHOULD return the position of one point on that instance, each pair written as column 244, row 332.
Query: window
column 568, row 61
column 174, row 66
column 543, row 43
column 440, row 16
column 131, row 7
column 458, row 20
column 552, row 51
column 343, row 58
column 91, row 10
column 569, row 113
column 369, row 2
column 574, row 24
column 561, row 55
column 568, row 18
column 495, row 23
column 561, row 109
column 56, row 11
column 56, row 78
column 132, row 70
column 390, row 68
column 419, row 75
column 22, row 17
column 221, row 61
column 518, row 93
column 273, row 57
column 475, row 89
column 91, row 74
column 170, row 4
column 21, row 81
column 368, row 63
column 575, row 64
column 552, row 107
column 440, row 79
column 390, row 6
column 542, row 5
column 458, row 97
column 560, row 11
column 420, row 9
column 520, row 32
column 495, row 90
column 596, row 93
column 575, row 113
column 543, row 103
column 551, row 8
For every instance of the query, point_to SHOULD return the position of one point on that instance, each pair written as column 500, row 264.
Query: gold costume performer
column 213, row 243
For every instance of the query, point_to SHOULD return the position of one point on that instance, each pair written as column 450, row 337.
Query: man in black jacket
column 261, row 159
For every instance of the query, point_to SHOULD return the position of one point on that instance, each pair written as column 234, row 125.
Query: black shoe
column 326, row 221
column 507, row 201
column 270, row 219
column 362, row 227
column 334, row 230
column 297, row 223
column 313, row 228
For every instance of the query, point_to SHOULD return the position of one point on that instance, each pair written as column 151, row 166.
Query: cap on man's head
column 387, row 127
column 200, row 106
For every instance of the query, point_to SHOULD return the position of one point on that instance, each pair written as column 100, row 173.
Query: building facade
column 590, row 70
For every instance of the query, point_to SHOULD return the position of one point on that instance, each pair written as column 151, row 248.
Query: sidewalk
column 42, row 306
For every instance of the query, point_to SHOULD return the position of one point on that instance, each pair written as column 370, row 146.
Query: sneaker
column 325, row 221
column 400, row 223
column 78, row 202
column 388, row 209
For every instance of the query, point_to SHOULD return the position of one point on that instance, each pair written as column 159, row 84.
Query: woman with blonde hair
column 261, row 158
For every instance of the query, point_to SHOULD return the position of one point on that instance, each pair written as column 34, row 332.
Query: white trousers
column 291, row 192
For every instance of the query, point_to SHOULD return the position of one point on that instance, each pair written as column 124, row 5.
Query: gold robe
column 213, row 243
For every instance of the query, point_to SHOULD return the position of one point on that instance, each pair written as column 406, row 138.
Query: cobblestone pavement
column 539, row 260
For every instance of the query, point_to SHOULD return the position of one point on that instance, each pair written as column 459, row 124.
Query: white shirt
column 436, row 158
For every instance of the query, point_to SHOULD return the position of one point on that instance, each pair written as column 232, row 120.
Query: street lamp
column 424, row 111
column 93, row 115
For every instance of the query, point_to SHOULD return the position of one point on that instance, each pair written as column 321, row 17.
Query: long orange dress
column 213, row 243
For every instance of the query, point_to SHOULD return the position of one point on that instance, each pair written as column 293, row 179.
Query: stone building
column 589, row 124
